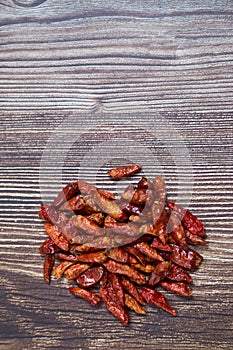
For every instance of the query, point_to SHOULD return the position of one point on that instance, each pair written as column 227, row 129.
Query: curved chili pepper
column 194, row 239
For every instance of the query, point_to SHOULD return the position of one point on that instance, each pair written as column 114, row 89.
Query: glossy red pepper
column 190, row 221
column 154, row 297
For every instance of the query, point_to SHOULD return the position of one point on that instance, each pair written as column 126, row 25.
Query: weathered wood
column 109, row 70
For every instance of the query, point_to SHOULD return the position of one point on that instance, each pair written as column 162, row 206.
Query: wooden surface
column 99, row 71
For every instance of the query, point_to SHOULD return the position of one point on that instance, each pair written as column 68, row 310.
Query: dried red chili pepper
column 96, row 257
column 143, row 183
column 154, row 297
column 88, row 295
column 194, row 239
column 190, row 221
column 66, row 193
column 177, row 273
column 119, row 254
column 48, row 267
column 48, row 247
column 117, row 287
column 160, row 220
column 108, row 206
column 161, row 246
column 87, row 225
column 159, row 273
column 135, row 252
column 177, row 230
column 75, row 270
column 74, row 188
column 146, row 249
column 144, row 268
column 122, row 229
column 187, row 258
column 90, row 276
column 113, row 305
column 160, row 189
column 117, row 173
column 57, row 236
column 66, row 257
column 130, row 288
column 180, row 288
column 47, row 212
column 123, row 269
column 132, row 304
column 75, row 204
column 61, row 267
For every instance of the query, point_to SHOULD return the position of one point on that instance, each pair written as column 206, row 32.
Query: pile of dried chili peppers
column 120, row 250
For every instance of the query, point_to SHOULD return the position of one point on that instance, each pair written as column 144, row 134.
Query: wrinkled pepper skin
column 154, row 297
column 190, row 221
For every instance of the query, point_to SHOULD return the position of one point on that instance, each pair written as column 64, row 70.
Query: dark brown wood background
column 125, row 64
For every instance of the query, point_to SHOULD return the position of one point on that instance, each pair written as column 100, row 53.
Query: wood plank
column 117, row 59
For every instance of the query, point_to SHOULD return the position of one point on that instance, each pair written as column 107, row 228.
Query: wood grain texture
column 109, row 70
